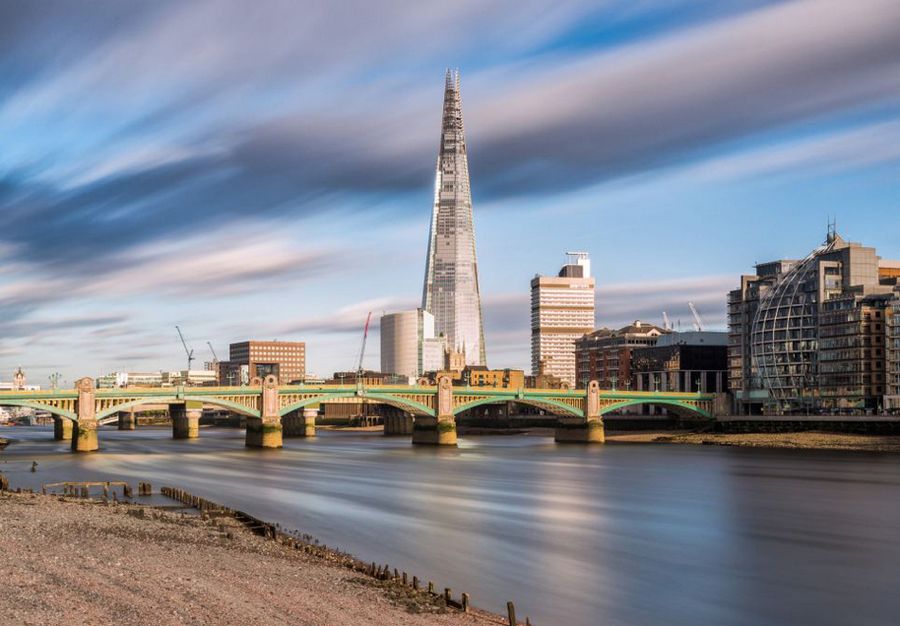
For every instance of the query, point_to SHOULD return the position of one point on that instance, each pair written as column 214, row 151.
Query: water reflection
column 621, row 534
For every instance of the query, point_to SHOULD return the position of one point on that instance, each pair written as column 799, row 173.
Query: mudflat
column 69, row 561
column 812, row 440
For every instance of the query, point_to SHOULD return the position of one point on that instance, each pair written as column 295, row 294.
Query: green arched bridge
column 265, row 404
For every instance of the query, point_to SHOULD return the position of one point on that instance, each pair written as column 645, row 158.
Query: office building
column 562, row 312
column 808, row 334
column 694, row 361
column 451, row 291
column 605, row 354
column 286, row 360
column 408, row 344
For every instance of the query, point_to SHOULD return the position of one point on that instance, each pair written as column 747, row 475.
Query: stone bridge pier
column 300, row 423
column 186, row 419
column 587, row 429
column 62, row 428
column 127, row 420
column 84, row 431
column 399, row 424
column 440, row 430
column 265, row 431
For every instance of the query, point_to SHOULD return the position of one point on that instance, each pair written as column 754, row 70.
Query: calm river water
column 580, row 536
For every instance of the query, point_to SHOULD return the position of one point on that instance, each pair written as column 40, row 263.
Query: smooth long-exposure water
column 635, row 534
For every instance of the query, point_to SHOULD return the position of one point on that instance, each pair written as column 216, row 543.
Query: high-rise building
column 408, row 344
column 562, row 312
column 451, row 273
column 810, row 334
column 286, row 360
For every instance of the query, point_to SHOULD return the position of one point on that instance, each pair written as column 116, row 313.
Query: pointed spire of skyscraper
column 451, row 291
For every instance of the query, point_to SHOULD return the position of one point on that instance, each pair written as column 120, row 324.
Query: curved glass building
column 810, row 334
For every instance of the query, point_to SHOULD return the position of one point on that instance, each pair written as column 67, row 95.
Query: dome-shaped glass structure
column 784, row 340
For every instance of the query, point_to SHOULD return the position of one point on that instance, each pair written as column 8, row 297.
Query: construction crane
column 666, row 323
column 698, row 323
column 190, row 353
column 211, row 349
column 362, row 349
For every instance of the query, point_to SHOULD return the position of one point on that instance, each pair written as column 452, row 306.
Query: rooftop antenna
column 190, row 353
column 832, row 230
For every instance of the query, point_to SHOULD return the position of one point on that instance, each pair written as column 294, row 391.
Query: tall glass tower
column 451, row 273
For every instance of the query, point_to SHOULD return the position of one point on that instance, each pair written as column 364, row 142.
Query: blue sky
column 264, row 170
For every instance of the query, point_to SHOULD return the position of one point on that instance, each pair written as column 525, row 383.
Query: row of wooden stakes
column 272, row 531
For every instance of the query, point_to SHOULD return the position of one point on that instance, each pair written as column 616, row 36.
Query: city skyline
column 159, row 200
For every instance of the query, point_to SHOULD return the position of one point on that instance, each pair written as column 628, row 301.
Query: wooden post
column 465, row 602
column 416, row 583
column 447, row 595
column 430, row 587
column 511, row 613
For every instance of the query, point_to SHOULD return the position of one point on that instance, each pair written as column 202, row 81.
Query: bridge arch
column 547, row 404
column 220, row 402
column 680, row 407
column 405, row 404
column 29, row 404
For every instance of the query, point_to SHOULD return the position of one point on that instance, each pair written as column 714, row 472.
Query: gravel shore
column 69, row 561
column 799, row 440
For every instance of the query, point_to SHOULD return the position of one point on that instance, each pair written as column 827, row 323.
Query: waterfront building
column 892, row 352
column 852, row 359
column 778, row 317
column 408, row 344
column 451, row 291
column 286, row 360
column 694, row 361
column 562, row 312
column 605, row 354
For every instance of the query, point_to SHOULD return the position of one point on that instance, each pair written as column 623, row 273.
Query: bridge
column 269, row 407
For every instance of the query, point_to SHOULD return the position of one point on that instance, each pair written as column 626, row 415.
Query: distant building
column 190, row 378
column 130, row 379
column 562, row 311
column 286, row 360
column 368, row 378
column 812, row 334
column 605, row 354
column 408, row 344
column 682, row 362
column 479, row 376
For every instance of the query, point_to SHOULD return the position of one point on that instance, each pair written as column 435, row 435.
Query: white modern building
column 562, row 311
column 408, row 344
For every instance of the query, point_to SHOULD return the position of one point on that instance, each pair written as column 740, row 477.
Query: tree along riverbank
column 73, row 561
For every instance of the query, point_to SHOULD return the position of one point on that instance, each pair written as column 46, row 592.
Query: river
column 636, row 534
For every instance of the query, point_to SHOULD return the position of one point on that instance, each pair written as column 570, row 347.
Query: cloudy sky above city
column 264, row 170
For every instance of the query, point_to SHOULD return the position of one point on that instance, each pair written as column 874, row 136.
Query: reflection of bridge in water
column 270, row 408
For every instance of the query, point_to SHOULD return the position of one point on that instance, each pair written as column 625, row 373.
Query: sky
column 264, row 170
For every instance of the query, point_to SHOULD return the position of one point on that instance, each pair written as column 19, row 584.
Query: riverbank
column 808, row 440
column 72, row 561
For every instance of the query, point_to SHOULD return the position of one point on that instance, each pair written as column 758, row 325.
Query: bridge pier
column 440, row 430
column 403, row 424
column 186, row 419
column 62, row 428
column 266, row 431
column 127, row 420
column 299, row 423
column 587, row 429
column 84, row 431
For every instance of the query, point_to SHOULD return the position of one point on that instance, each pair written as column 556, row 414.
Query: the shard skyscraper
column 451, row 274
